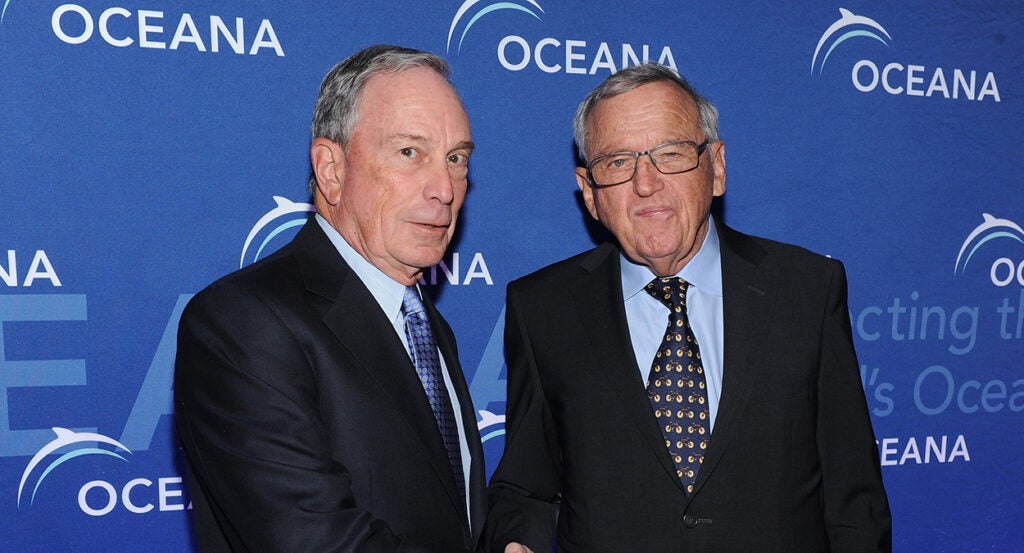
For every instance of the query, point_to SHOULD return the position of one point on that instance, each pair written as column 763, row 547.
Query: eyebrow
column 623, row 151
column 464, row 145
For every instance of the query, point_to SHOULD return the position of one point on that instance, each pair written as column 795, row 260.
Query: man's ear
column 328, row 159
column 583, row 181
column 718, row 151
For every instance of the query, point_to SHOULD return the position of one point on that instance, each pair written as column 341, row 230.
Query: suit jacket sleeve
column 856, row 508
column 525, row 488
column 251, row 422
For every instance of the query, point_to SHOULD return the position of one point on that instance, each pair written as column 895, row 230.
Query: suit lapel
column 602, row 311
column 358, row 323
column 747, row 313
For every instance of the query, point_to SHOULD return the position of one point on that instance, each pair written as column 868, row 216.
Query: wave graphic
column 847, row 19
column 489, row 419
column 65, row 439
column 493, row 7
column 990, row 229
column 284, row 208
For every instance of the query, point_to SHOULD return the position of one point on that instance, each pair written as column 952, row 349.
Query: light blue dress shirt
column 647, row 317
column 389, row 294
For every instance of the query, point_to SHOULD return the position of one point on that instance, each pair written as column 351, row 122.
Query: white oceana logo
column 492, row 7
column 292, row 214
column 549, row 54
column 894, row 77
column 151, row 29
column 848, row 19
column 1004, row 270
column 75, row 444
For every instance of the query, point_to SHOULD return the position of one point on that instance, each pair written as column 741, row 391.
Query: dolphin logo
column 64, row 439
column 284, row 207
column 487, row 420
column 848, row 19
column 494, row 6
column 989, row 229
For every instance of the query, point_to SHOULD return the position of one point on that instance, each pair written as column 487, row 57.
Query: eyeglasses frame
column 701, row 148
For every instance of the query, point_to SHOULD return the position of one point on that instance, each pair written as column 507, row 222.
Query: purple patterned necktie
column 428, row 367
column 676, row 385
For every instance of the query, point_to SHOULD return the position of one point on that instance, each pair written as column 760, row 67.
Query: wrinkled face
column 403, row 176
column 659, row 220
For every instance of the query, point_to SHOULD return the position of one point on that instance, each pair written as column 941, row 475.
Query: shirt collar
column 703, row 272
column 387, row 291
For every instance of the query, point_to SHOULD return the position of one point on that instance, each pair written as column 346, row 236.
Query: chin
column 657, row 250
column 424, row 259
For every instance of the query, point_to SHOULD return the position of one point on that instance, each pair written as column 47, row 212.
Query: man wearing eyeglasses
column 685, row 387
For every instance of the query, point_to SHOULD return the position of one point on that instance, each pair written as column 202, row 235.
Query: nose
column 647, row 178
column 440, row 185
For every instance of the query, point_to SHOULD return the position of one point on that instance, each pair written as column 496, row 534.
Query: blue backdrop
column 150, row 146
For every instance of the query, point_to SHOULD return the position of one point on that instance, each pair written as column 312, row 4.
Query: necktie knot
column 411, row 302
column 670, row 291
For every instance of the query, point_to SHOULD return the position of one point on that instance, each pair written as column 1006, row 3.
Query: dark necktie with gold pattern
column 676, row 385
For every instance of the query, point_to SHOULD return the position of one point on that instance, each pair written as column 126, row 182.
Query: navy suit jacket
column 792, row 464
column 305, row 425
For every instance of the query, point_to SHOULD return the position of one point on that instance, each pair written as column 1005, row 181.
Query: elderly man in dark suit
column 319, row 396
column 685, row 388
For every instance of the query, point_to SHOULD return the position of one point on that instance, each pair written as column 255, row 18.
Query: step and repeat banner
column 151, row 146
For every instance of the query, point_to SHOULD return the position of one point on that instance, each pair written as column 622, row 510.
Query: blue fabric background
column 136, row 161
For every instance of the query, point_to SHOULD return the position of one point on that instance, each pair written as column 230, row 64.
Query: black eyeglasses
column 669, row 159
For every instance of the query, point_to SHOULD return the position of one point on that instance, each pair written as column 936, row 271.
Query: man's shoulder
column 569, row 269
column 768, row 252
column 275, row 282
column 266, row 275
column 306, row 258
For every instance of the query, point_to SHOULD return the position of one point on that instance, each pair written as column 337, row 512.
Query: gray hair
column 635, row 77
column 337, row 106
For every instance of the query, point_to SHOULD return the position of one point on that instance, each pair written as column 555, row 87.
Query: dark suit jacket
column 304, row 423
column 792, row 464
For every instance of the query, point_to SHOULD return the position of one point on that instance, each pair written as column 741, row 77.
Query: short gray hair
column 635, row 77
column 337, row 106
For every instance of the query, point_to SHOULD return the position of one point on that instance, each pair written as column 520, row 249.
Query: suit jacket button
column 689, row 521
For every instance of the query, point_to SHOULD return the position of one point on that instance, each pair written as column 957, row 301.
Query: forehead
column 414, row 97
column 646, row 116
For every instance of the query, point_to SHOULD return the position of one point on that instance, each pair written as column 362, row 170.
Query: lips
column 432, row 222
column 653, row 211
column 430, row 218
column 432, row 227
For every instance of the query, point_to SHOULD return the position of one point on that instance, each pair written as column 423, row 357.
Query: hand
column 517, row 548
